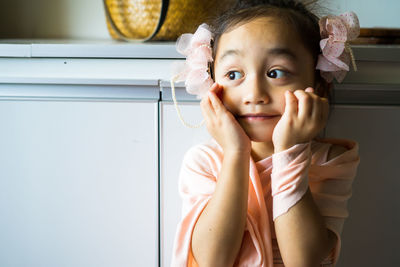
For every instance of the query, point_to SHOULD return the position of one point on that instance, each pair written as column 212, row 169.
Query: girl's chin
column 259, row 139
column 259, row 134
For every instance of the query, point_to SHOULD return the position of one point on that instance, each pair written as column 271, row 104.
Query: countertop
column 50, row 48
column 109, row 62
column 86, row 49
column 86, row 62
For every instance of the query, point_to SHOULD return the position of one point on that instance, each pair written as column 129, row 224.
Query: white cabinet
column 372, row 226
column 79, row 153
column 90, row 156
column 176, row 139
column 78, row 176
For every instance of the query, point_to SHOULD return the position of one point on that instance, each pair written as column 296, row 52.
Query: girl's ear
column 211, row 70
column 211, row 64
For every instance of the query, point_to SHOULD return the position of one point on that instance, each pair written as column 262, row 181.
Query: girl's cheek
column 283, row 102
column 228, row 101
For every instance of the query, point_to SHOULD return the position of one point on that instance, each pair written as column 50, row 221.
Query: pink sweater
column 329, row 182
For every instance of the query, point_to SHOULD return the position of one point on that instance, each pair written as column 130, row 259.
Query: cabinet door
column 176, row 139
column 370, row 229
column 78, row 183
column 372, row 226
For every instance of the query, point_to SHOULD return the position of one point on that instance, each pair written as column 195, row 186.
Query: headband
column 195, row 70
column 336, row 32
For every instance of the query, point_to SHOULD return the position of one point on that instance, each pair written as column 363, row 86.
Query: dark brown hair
column 292, row 12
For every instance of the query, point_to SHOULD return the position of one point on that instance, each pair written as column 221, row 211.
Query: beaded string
column 350, row 51
column 173, row 80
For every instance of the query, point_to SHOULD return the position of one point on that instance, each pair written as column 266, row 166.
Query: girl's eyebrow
column 276, row 51
column 230, row 52
column 281, row 51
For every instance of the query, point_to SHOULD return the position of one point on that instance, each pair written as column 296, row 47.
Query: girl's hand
column 222, row 125
column 304, row 117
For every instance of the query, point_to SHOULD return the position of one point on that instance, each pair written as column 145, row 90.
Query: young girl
column 265, row 191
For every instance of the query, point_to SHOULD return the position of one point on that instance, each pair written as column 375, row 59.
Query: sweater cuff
column 289, row 177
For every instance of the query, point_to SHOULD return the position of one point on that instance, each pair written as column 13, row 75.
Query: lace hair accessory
column 336, row 32
column 195, row 70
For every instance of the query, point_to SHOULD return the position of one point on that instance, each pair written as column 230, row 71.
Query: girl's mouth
column 258, row 116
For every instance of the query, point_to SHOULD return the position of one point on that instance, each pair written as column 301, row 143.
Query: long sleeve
column 196, row 185
column 305, row 165
column 330, row 183
column 197, row 182
column 289, row 177
column 331, row 187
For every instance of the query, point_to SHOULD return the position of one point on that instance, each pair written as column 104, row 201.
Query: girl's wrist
column 281, row 148
column 237, row 153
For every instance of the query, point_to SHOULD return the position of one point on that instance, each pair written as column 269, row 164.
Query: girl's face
column 256, row 63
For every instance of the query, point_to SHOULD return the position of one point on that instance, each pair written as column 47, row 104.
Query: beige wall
column 74, row 19
column 372, row 13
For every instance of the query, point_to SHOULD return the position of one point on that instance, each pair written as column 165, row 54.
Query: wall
column 372, row 13
column 76, row 19
column 82, row 19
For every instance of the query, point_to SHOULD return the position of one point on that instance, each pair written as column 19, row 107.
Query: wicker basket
column 143, row 20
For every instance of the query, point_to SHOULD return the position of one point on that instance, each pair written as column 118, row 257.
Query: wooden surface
column 378, row 36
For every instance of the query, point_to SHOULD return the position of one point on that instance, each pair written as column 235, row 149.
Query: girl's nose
column 256, row 92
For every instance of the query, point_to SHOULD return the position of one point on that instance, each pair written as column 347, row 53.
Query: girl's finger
column 217, row 89
column 317, row 112
column 215, row 101
column 213, row 87
column 206, row 108
column 305, row 104
column 309, row 90
column 291, row 104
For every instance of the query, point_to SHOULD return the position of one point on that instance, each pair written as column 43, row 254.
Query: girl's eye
column 234, row 75
column 276, row 74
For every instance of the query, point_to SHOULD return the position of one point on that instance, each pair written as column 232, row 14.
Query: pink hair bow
column 195, row 70
column 336, row 52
